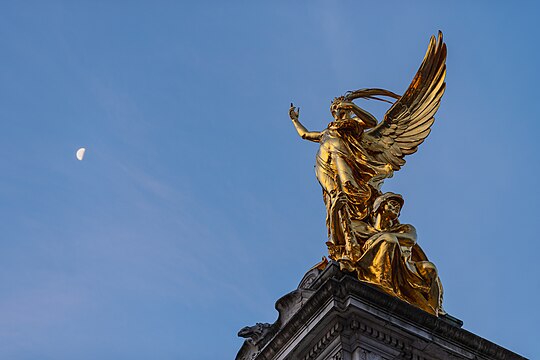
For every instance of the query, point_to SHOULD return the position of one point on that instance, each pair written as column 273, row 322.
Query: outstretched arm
column 302, row 131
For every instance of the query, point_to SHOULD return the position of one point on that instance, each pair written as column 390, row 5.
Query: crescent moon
column 80, row 154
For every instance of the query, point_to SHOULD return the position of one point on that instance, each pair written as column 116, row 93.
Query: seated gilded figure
column 356, row 153
column 391, row 259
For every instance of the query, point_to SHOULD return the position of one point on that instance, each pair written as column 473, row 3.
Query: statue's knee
column 427, row 268
column 390, row 239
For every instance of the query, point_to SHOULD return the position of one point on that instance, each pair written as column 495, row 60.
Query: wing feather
column 408, row 122
column 416, row 132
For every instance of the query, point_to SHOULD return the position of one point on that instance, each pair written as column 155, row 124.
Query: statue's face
column 246, row 331
column 392, row 208
column 337, row 112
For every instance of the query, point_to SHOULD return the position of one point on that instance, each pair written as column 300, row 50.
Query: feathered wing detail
column 407, row 123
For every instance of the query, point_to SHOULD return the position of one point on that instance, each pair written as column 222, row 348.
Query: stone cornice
column 339, row 293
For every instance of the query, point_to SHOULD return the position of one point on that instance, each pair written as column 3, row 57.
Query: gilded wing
column 407, row 123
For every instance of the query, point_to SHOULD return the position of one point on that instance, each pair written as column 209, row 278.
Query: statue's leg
column 337, row 240
column 358, row 192
column 379, row 261
column 428, row 272
column 352, row 248
column 344, row 172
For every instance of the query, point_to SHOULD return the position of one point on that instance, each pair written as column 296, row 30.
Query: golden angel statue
column 356, row 153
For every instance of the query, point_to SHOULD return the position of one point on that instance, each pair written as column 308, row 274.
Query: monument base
column 332, row 315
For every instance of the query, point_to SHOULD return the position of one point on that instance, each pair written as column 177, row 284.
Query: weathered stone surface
column 333, row 316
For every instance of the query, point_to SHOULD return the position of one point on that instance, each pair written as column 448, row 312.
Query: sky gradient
column 196, row 206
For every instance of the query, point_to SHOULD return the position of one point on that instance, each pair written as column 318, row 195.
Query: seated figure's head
column 388, row 205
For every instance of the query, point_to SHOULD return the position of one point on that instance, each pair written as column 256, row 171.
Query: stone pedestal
column 334, row 316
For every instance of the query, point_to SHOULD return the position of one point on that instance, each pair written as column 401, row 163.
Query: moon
column 80, row 154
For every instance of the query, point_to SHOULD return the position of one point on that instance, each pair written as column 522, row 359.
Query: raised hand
column 294, row 113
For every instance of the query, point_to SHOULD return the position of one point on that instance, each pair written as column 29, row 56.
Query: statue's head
column 388, row 204
column 255, row 333
column 337, row 111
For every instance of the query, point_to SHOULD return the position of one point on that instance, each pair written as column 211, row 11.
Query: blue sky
column 196, row 206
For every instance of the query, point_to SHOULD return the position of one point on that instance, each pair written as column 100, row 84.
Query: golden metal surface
column 364, row 233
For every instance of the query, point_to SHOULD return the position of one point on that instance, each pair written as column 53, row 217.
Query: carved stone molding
column 325, row 340
column 338, row 355
column 377, row 334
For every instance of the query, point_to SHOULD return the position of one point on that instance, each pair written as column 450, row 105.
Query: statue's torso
column 332, row 144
